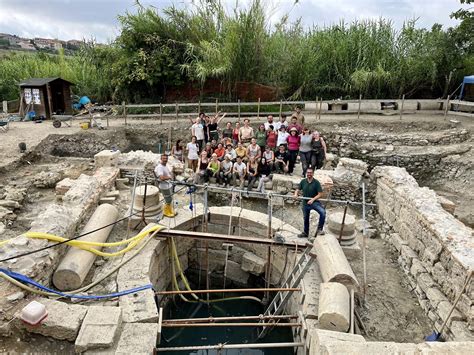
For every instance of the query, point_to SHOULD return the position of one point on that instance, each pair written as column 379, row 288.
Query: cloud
column 73, row 19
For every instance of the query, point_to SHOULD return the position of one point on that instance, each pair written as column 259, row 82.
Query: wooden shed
column 45, row 96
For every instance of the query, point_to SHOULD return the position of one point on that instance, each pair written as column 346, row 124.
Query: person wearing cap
column 225, row 173
column 311, row 189
column 293, row 149
column 298, row 115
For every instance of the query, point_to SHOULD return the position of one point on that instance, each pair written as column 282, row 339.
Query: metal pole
column 258, row 108
column 233, row 346
column 161, row 113
column 131, row 205
column 208, row 284
column 261, row 194
column 403, row 103
column 248, row 324
column 364, row 241
column 352, row 312
column 446, row 109
column 225, row 319
column 358, row 110
column 233, row 290
column 269, row 248
column 343, row 222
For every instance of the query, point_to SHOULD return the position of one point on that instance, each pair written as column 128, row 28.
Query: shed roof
column 41, row 81
column 469, row 79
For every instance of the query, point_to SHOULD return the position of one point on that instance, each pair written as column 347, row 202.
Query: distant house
column 46, row 96
column 47, row 43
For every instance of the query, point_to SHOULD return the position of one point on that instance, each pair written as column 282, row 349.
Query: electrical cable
column 77, row 237
column 25, row 279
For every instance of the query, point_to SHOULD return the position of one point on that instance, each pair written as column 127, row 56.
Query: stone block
column 235, row 273
column 443, row 310
column 449, row 348
column 407, row 255
column 63, row 320
column 447, row 205
column 99, row 328
column 137, row 339
column 106, row 158
column 397, row 241
column 435, row 296
column 367, row 348
column 461, row 332
column 139, row 307
column 417, row 268
column 253, row 263
column 320, row 337
column 425, row 281
column 63, row 186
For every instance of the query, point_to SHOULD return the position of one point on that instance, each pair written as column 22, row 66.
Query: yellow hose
column 89, row 246
column 186, row 283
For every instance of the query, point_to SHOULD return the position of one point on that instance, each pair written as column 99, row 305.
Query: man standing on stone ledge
column 163, row 174
column 311, row 189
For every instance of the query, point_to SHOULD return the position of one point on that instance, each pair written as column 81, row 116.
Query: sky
column 87, row 19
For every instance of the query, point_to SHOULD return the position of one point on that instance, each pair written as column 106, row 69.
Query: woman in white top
column 193, row 149
column 269, row 156
column 282, row 136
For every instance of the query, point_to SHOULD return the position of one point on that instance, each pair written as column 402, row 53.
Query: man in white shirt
column 164, row 176
column 269, row 123
column 282, row 122
column 239, row 171
column 198, row 131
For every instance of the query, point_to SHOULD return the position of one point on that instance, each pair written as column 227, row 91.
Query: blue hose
column 25, row 279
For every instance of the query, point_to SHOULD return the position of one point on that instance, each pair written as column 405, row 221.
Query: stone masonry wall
column 436, row 250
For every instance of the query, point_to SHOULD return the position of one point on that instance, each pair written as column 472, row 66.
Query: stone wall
column 436, row 250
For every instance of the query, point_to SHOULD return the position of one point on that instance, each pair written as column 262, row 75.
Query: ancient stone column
column 334, row 307
column 349, row 233
column 333, row 263
column 75, row 265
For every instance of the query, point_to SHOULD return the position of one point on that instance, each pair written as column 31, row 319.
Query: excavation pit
column 416, row 264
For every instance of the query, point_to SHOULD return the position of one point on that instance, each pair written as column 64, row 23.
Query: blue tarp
column 468, row 80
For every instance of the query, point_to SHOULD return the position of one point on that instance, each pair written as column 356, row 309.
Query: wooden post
column 446, row 109
column 199, row 107
column 124, row 107
column 401, row 109
column 217, row 106
column 161, row 113
column 258, row 108
column 238, row 108
column 177, row 109
column 316, row 107
column 358, row 110
column 281, row 107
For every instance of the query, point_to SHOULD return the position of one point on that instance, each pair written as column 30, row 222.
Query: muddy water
column 214, row 335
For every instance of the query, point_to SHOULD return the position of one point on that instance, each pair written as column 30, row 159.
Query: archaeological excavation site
column 98, row 257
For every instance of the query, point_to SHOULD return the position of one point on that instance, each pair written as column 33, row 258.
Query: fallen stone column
column 75, row 265
column 333, row 263
column 334, row 307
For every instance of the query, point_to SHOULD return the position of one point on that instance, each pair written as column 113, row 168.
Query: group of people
column 238, row 153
